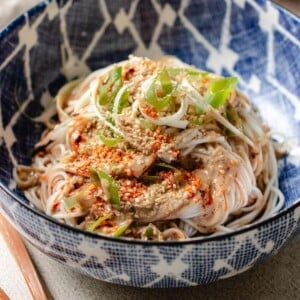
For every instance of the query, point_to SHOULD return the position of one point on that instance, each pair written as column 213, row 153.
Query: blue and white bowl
column 59, row 40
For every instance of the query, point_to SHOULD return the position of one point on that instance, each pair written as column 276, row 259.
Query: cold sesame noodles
column 154, row 150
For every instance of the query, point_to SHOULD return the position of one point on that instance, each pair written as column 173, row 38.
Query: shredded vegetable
column 113, row 187
column 121, row 100
column 109, row 90
column 110, row 142
column 97, row 223
column 163, row 81
column 121, row 230
column 71, row 202
column 219, row 90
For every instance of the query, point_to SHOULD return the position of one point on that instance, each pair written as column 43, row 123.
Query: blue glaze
column 60, row 40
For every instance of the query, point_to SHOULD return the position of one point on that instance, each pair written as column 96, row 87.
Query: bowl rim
column 4, row 31
column 198, row 240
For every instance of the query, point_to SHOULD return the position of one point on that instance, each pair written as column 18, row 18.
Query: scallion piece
column 111, row 121
column 233, row 117
column 151, row 232
column 110, row 142
column 164, row 165
column 219, row 90
column 109, row 90
column 113, row 187
column 123, row 101
column 97, row 223
column 146, row 124
column 159, row 103
column 151, row 178
column 152, row 99
column 121, row 230
column 71, row 202
column 94, row 177
column 165, row 81
column 191, row 72
column 120, row 101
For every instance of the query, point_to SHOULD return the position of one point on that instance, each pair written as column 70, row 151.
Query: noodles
column 154, row 150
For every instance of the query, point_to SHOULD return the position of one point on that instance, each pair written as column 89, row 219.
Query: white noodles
column 227, row 180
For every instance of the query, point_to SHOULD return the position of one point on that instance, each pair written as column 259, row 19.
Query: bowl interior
column 53, row 43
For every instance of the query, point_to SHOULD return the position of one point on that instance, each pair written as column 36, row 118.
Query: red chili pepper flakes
column 55, row 207
column 128, row 73
column 194, row 184
column 149, row 111
column 44, row 177
column 156, row 146
column 77, row 139
column 109, row 223
column 170, row 180
column 129, row 172
column 104, row 153
column 206, row 197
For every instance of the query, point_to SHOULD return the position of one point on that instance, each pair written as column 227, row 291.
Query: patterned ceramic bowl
column 58, row 40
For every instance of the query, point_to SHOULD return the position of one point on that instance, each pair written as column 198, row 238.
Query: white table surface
column 276, row 278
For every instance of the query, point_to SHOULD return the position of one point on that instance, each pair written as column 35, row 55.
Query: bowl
column 60, row 40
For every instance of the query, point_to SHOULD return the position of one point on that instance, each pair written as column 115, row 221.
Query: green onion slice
column 71, row 202
column 113, row 188
column 98, row 222
column 196, row 73
column 109, row 90
column 151, row 232
column 191, row 72
column 94, row 177
column 121, row 100
column 159, row 103
column 219, row 90
column 164, row 165
column 165, row 81
column 110, row 142
column 121, row 230
column 151, row 178
column 146, row 124
column 233, row 117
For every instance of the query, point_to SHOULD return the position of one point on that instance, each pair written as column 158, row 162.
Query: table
column 277, row 278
